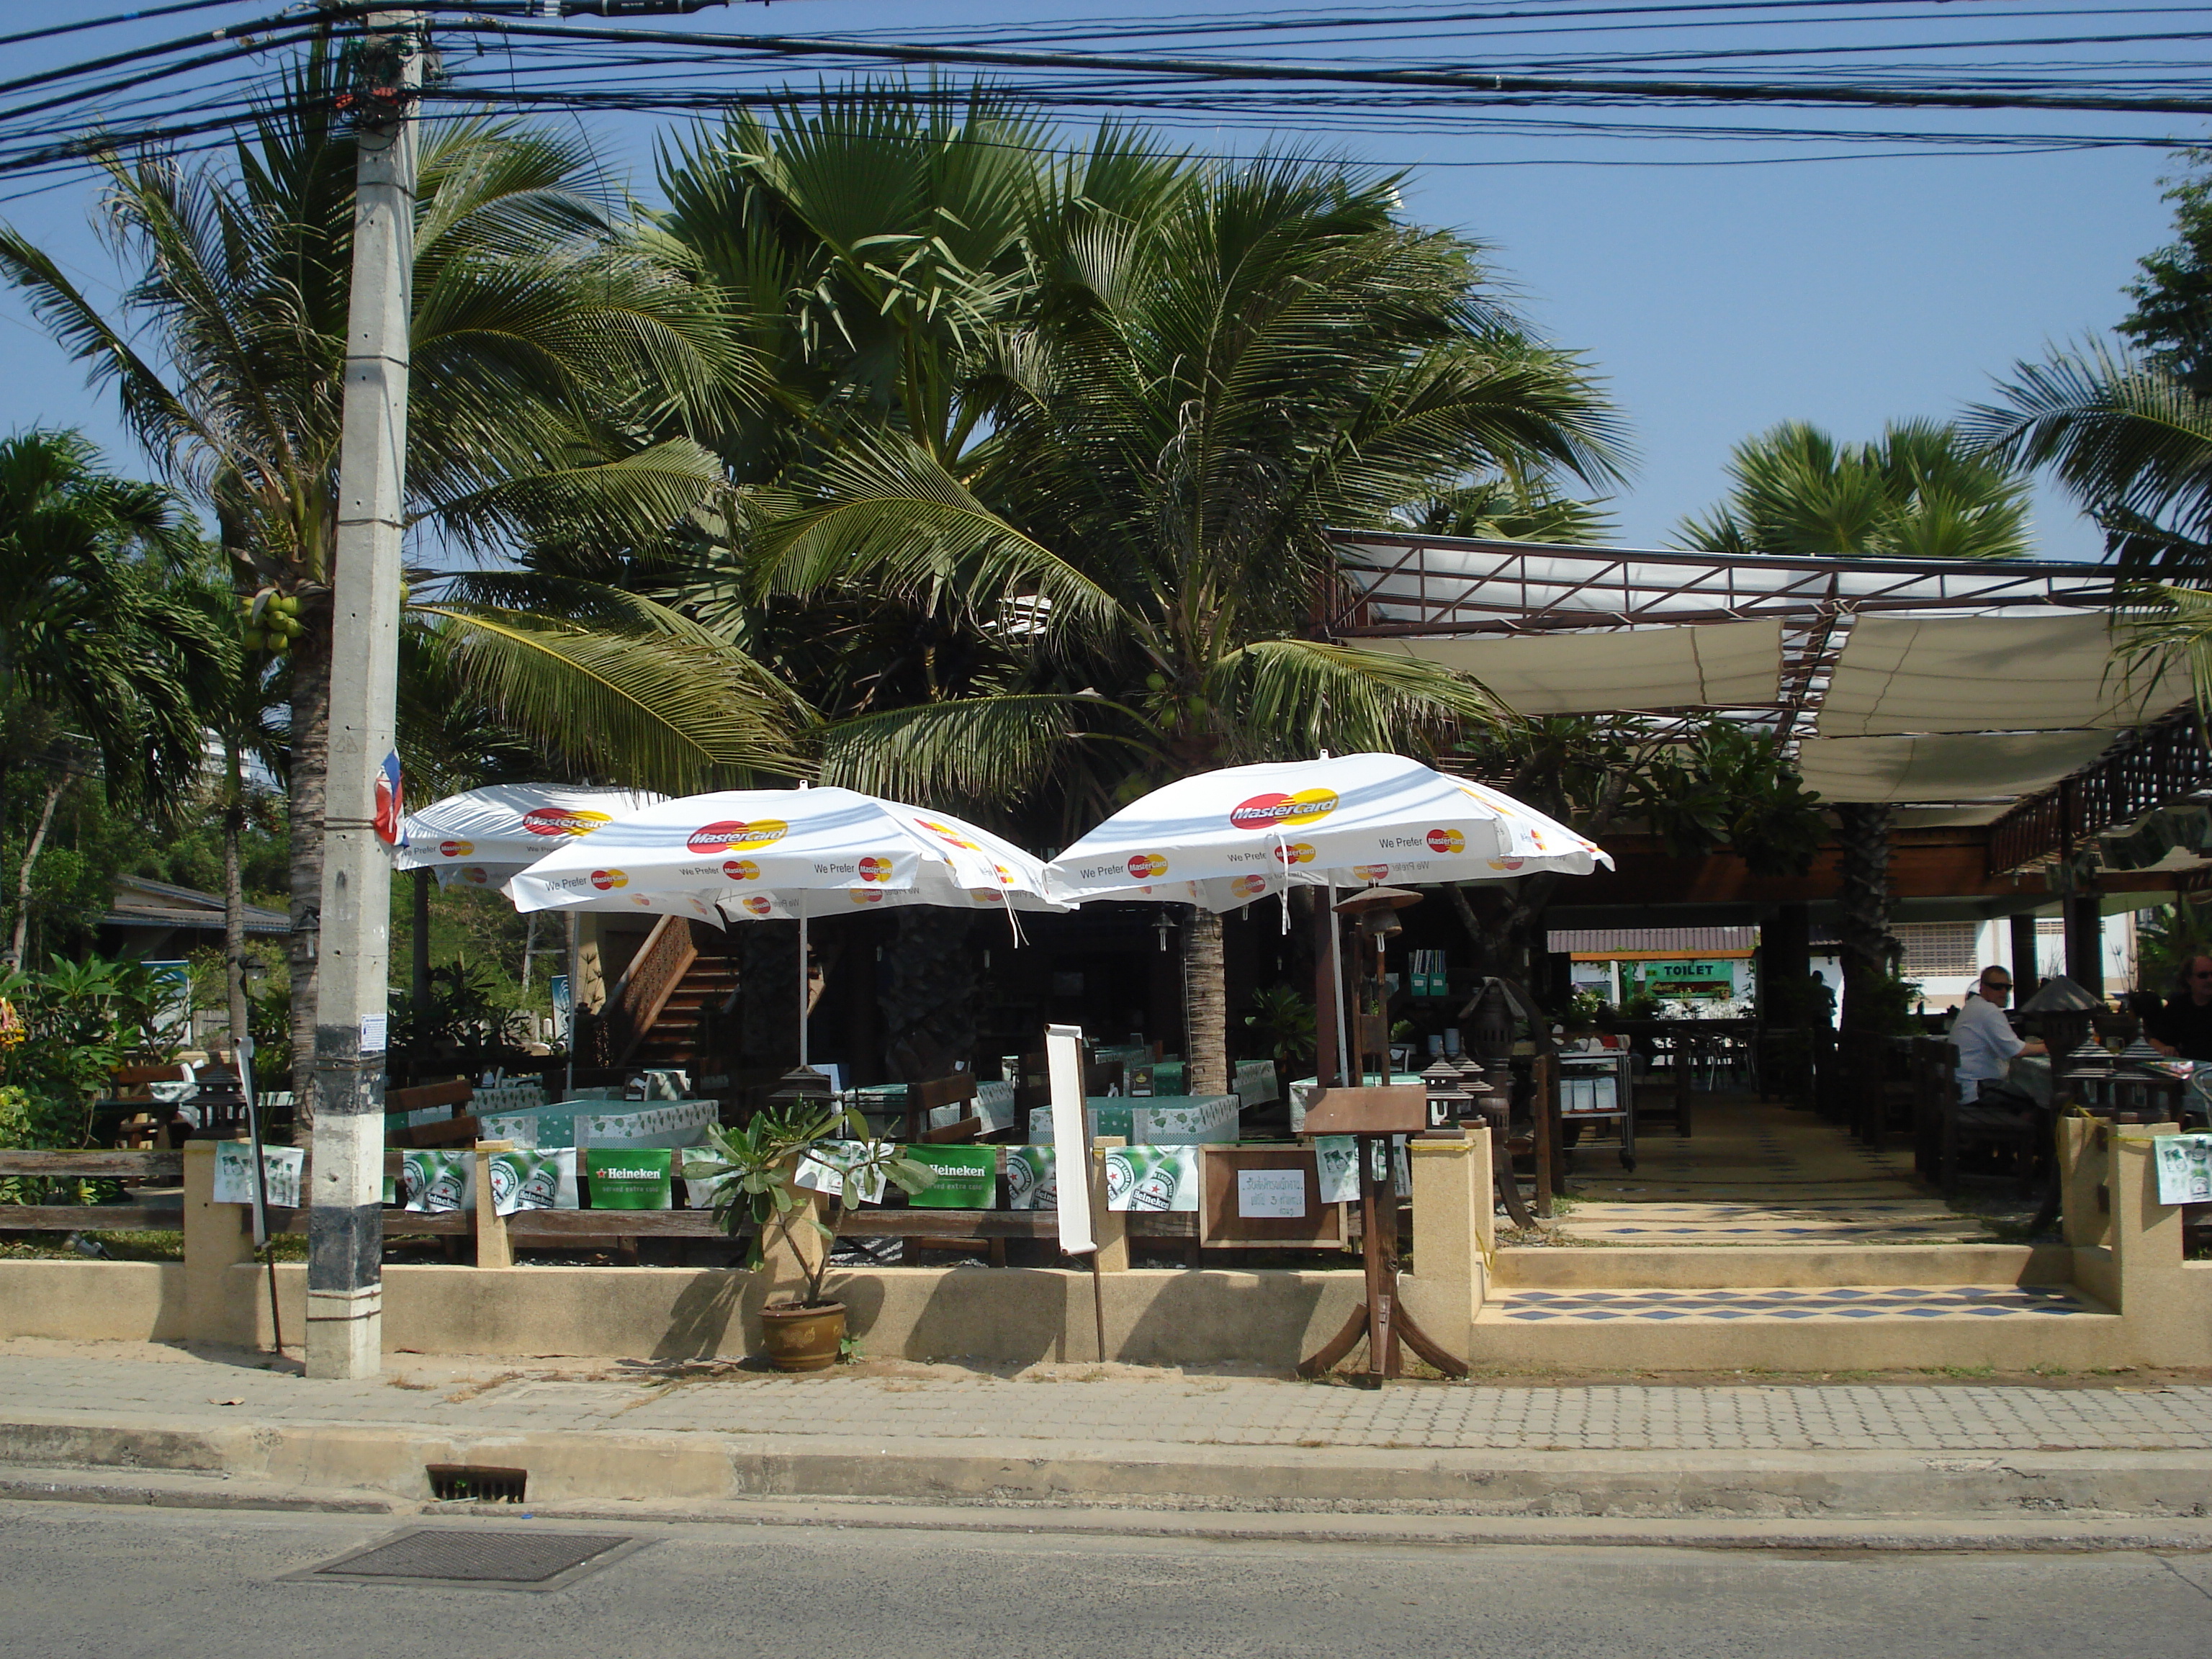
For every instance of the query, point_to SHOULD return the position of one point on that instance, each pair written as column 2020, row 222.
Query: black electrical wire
column 140, row 16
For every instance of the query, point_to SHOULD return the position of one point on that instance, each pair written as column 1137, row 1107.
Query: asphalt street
column 120, row 1583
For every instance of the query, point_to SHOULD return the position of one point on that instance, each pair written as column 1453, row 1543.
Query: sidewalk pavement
column 1113, row 1404
column 1078, row 1435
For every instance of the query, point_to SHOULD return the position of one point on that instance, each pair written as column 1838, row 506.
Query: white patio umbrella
column 1225, row 838
column 788, row 854
column 482, row 836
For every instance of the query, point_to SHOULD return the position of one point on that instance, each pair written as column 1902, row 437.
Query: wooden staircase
column 653, row 1014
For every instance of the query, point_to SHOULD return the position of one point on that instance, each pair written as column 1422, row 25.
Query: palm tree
column 105, row 653
column 1921, row 491
column 2129, row 440
column 545, row 336
column 1209, row 376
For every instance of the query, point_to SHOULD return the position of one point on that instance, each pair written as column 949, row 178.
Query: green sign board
column 628, row 1178
column 967, row 1177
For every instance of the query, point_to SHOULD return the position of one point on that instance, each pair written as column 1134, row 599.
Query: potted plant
column 755, row 1171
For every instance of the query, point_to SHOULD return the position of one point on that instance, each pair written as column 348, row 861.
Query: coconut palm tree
column 545, row 337
column 106, row 653
column 2128, row 439
column 1209, row 377
column 1921, row 491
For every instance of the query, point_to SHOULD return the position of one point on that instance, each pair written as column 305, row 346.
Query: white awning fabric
column 1948, row 766
column 1727, row 666
column 2043, row 673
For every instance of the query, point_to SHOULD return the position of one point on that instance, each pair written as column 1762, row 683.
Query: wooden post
column 494, row 1248
column 2025, row 972
column 2084, row 942
column 1543, row 1076
column 1379, row 1204
column 1110, row 1227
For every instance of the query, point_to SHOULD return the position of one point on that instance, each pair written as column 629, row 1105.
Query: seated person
column 1984, row 1037
column 2183, row 1028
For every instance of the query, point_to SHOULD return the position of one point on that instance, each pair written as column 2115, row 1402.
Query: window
column 1939, row 949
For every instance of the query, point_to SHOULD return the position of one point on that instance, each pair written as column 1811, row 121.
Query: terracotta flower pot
column 802, row 1338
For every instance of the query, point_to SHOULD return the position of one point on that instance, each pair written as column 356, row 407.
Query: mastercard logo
column 604, row 879
column 1006, row 876
column 758, row 906
column 741, row 870
column 1248, row 885
column 875, row 869
column 1371, row 871
column 1446, row 841
column 1145, row 866
column 1296, row 851
column 1506, row 863
column 946, row 833
column 477, row 875
column 456, row 849
column 986, row 896
column 866, row 895
column 731, row 835
column 640, row 900
column 1270, row 811
column 563, row 820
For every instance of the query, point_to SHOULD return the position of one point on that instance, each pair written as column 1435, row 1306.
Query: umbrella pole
column 1348, row 1060
column 803, row 987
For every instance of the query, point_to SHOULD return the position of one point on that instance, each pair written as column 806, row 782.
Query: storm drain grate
column 484, row 1558
column 452, row 1481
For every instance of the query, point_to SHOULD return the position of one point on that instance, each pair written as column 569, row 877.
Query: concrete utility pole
column 345, row 1218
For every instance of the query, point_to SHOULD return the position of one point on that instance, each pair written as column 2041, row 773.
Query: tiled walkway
column 1903, row 1301
column 1118, row 1405
column 1869, row 1221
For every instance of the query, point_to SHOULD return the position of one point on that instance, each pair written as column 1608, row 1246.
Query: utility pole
column 345, row 1213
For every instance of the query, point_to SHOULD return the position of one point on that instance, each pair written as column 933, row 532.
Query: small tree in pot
column 756, row 1175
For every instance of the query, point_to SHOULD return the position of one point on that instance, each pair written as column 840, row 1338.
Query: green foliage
column 1702, row 785
column 2171, row 322
column 466, row 1025
column 1920, row 491
column 79, row 1021
column 1282, row 1024
column 2167, row 938
column 757, row 1160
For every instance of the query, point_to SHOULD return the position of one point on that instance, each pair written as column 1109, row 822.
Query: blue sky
column 1717, row 299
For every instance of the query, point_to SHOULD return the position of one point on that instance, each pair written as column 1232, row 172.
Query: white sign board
column 1071, row 1136
column 1278, row 1193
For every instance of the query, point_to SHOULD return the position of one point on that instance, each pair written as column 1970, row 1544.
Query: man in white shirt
column 1983, row 1038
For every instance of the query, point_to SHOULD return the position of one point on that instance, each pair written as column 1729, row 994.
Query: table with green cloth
column 1153, row 1120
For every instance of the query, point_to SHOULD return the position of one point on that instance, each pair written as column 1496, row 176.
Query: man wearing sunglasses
column 1984, row 1037
column 2184, row 1026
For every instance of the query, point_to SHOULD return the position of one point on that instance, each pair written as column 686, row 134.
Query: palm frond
column 1294, row 698
column 651, row 711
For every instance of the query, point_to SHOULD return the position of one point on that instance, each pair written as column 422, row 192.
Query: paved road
column 117, row 1584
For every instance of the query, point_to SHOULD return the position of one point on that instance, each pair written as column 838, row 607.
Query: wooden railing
column 647, row 984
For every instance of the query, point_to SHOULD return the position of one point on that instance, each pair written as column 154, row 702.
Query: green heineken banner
column 1151, row 1178
column 1032, row 1178
column 435, row 1182
column 967, row 1177
column 233, row 1174
column 629, row 1177
column 523, row 1180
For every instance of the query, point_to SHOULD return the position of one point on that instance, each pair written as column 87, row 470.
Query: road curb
column 569, row 1466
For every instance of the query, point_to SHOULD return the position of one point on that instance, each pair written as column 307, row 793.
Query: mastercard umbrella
column 480, row 838
column 769, row 854
column 1225, row 838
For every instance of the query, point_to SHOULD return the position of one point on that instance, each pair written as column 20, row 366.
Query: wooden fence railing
column 647, row 984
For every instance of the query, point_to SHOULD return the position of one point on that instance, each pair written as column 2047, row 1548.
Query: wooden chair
column 1935, row 1090
column 2009, row 1127
column 924, row 1098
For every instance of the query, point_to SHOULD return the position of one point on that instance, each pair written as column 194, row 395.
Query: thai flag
column 390, row 803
